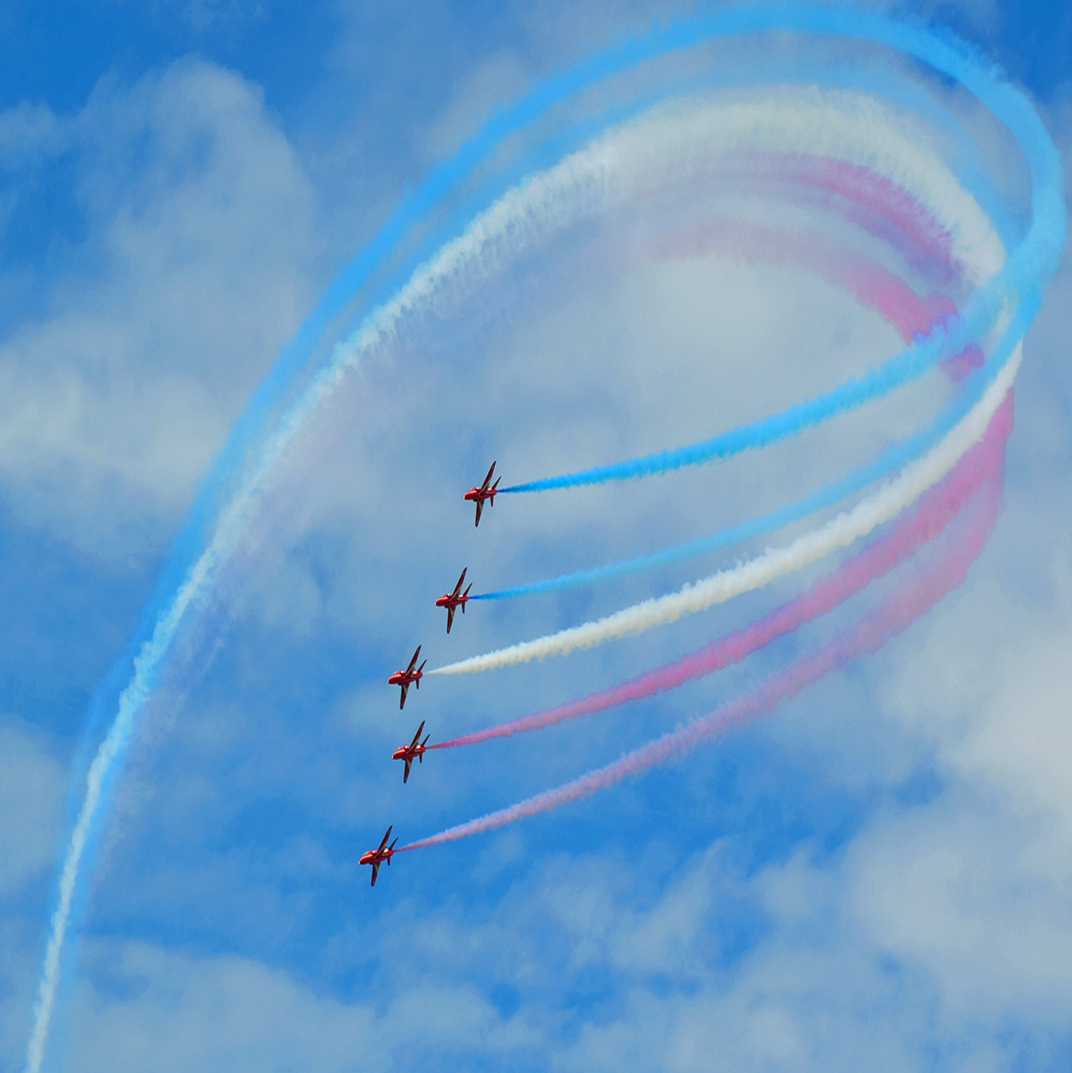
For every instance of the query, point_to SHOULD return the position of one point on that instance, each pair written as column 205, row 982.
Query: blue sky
column 876, row 876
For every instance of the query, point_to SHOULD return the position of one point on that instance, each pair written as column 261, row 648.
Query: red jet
column 453, row 600
column 414, row 751
column 408, row 677
column 376, row 857
column 478, row 495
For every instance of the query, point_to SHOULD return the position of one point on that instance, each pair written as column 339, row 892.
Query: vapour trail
column 249, row 461
column 929, row 518
column 585, row 183
column 839, row 532
column 861, row 186
column 873, row 287
column 1028, row 267
column 867, row 636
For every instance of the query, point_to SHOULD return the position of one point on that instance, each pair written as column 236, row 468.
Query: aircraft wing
column 375, row 871
column 458, row 587
column 487, row 479
column 450, row 618
column 479, row 509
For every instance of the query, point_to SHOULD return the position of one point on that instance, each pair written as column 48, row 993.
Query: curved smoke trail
column 582, row 186
column 808, row 548
column 927, row 521
column 874, row 288
column 911, row 316
column 867, row 636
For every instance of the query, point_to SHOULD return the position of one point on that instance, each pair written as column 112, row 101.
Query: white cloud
column 181, row 1013
column 937, row 927
column 152, row 1008
column 194, row 272
column 28, row 134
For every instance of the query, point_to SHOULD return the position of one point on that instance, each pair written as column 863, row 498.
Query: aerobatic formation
column 953, row 266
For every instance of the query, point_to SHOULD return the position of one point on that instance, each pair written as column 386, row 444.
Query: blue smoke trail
column 910, row 364
column 1031, row 264
column 891, row 460
column 1028, row 270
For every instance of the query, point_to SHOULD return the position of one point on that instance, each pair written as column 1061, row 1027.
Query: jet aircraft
column 453, row 600
column 408, row 677
column 478, row 495
column 414, row 751
column 377, row 856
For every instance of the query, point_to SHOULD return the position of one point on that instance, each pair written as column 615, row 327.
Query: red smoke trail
column 932, row 513
column 862, row 197
column 880, row 195
column 910, row 315
column 855, row 188
column 867, row 636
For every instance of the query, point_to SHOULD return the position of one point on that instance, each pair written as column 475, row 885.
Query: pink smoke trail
column 880, row 195
column 909, row 218
column 871, row 285
column 863, row 197
column 909, row 314
column 867, row 636
column 927, row 521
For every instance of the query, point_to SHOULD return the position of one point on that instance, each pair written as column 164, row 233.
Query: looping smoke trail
column 875, row 288
column 867, row 636
column 839, row 532
column 578, row 188
column 927, row 522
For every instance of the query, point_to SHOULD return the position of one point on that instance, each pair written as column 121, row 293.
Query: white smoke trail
column 671, row 145
column 130, row 702
column 839, row 532
column 676, row 144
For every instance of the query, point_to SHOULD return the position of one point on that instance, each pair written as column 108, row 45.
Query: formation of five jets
column 412, row 675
